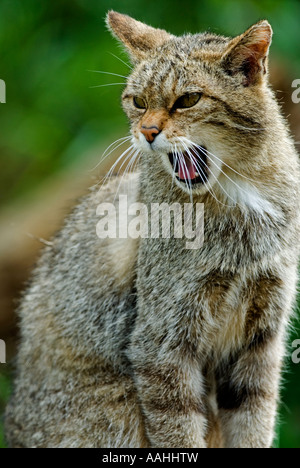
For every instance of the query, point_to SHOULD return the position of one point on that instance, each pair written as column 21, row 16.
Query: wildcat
column 142, row 342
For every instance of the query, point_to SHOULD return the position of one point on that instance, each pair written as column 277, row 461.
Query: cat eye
column 187, row 100
column 139, row 103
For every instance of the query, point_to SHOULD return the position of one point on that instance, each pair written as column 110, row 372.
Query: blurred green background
column 54, row 116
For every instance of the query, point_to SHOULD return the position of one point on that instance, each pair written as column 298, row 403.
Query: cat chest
column 203, row 317
column 208, row 311
column 223, row 315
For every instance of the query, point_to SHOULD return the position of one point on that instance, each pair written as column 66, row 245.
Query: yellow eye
column 139, row 103
column 187, row 100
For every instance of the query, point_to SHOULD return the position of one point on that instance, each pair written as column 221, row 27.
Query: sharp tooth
column 196, row 174
column 177, row 174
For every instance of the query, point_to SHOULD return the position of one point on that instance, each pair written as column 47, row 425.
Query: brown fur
column 146, row 343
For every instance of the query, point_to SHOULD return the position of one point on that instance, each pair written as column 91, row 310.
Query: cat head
column 197, row 101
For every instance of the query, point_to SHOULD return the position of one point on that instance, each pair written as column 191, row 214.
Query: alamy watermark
column 296, row 353
column 2, row 352
column 296, row 100
column 296, row 93
column 2, row 92
column 136, row 220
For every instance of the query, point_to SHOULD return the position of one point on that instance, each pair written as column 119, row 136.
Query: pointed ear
column 247, row 54
column 139, row 38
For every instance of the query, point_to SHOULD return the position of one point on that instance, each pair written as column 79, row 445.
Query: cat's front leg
column 248, row 393
column 171, row 396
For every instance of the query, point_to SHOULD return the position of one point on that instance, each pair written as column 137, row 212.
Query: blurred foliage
column 4, row 394
column 47, row 48
column 289, row 418
column 53, row 115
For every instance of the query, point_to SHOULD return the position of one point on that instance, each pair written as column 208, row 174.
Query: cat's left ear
column 248, row 54
column 138, row 38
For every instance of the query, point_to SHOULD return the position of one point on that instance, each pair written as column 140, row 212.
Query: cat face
column 195, row 100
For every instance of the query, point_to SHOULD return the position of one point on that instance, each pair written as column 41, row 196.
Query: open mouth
column 190, row 167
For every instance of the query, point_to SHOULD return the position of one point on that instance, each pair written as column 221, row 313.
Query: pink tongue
column 186, row 169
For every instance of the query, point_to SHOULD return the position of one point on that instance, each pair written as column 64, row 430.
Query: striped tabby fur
column 143, row 343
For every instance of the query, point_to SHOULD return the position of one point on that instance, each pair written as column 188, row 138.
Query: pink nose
column 150, row 133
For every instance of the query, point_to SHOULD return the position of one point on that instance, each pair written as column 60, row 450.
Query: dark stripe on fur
column 237, row 117
column 231, row 397
column 261, row 338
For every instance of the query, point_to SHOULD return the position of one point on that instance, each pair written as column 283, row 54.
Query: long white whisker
column 129, row 156
column 129, row 167
column 203, row 176
column 113, row 74
column 123, row 139
column 175, row 161
column 220, row 160
column 187, row 180
column 105, row 155
column 108, row 73
column 211, row 191
column 135, row 163
column 229, row 178
column 125, row 153
column 109, row 84
column 236, row 184
column 127, row 65
column 207, row 183
column 109, row 173
column 180, row 157
column 226, row 175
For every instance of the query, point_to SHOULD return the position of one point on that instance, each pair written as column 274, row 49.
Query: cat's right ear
column 248, row 54
column 138, row 38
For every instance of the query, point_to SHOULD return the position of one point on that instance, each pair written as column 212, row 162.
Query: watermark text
column 296, row 353
column 137, row 220
column 2, row 352
column 151, row 457
column 296, row 93
column 2, row 92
